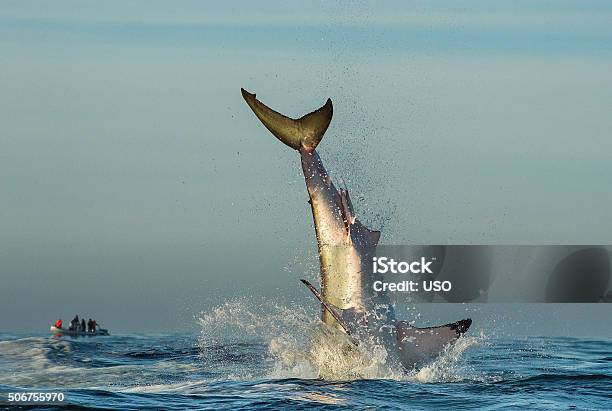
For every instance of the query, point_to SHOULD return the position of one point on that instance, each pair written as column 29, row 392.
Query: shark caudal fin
column 303, row 133
column 420, row 345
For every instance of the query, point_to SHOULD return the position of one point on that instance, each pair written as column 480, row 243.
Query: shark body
column 346, row 247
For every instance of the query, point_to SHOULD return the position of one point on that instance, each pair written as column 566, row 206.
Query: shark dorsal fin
column 420, row 344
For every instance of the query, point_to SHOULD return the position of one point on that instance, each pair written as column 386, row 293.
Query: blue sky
column 131, row 167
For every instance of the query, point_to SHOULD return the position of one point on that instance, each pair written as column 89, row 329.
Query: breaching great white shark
column 346, row 247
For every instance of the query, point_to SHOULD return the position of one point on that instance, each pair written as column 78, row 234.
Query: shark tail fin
column 304, row 133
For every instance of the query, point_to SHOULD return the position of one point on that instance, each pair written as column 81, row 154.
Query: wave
column 163, row 353
column 548, row 378
column 255, row 353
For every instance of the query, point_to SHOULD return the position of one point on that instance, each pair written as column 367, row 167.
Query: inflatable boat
column 72, row 333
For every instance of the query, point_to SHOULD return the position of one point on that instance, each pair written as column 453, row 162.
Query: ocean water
column 289, row 360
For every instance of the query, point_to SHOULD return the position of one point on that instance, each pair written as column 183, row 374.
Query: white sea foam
column 444, row 368
column 48, row 362
column 301, row 346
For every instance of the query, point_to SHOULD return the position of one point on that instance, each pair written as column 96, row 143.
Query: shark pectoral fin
column 418, row 345
column 303, row 133
column 332, row 309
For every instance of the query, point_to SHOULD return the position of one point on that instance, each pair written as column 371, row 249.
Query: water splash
column 446, row 367
column 299, row 345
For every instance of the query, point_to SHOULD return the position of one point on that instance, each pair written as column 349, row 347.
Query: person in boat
column 94, row 324
column 83, row 329
column 58, row 323
column 90, row 326
column 74, row 324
